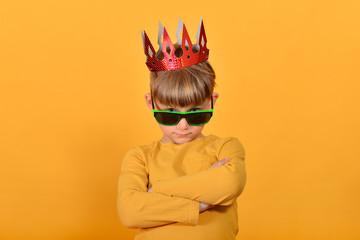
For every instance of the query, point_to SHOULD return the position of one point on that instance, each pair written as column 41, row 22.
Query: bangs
column 183, row 87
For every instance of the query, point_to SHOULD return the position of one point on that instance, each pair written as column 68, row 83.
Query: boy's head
column 182, row 83
column 182, row 90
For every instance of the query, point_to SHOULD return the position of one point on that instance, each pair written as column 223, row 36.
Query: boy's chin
column 181, row 141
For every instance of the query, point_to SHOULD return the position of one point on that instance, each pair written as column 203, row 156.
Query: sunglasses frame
column 183, row 114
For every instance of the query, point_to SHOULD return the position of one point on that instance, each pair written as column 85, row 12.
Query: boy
column 185, row 185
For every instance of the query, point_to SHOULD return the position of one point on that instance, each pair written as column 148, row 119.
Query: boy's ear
column 148, row 101
column 215, row 96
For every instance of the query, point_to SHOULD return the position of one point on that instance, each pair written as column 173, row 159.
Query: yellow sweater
column 181, row 177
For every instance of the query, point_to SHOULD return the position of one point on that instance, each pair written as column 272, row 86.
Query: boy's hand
column 220, row 163
column 204, row 206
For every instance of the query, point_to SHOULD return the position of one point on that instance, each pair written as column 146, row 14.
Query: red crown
column 168, row 58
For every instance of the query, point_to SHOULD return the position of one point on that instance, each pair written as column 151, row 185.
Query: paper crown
column 184, row 53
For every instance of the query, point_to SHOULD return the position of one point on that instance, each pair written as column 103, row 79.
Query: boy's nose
column 183, row 124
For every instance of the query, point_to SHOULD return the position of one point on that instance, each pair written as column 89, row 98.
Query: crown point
column 143, row 39
column 179, row 29
column 160, row 34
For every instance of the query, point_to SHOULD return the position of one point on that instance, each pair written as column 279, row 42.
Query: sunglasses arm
column 152, row 101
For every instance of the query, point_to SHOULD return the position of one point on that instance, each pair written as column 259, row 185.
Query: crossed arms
column 178, row 199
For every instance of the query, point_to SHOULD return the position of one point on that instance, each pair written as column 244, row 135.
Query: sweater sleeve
column 217, row 186
column 139, row 209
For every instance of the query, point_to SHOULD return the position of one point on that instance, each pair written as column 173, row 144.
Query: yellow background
column 72, row 85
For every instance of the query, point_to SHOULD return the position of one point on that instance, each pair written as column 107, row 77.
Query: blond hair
column 189, row 86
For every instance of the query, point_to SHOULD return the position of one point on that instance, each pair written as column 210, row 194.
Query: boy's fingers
column 223, row 161
column 220, row 162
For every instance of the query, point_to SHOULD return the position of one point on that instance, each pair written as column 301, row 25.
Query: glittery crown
column 183, row 54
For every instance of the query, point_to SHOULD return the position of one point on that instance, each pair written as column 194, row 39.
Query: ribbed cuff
column 193, row 218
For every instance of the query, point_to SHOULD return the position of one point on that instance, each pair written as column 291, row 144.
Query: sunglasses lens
column 166, row 118
column 199, row 118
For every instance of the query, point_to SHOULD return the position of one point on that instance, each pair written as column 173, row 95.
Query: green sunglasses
column 195, row 118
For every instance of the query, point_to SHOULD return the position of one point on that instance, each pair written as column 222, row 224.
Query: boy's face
column 182, row 132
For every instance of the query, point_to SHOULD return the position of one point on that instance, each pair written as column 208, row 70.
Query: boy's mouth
column 182, row 135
